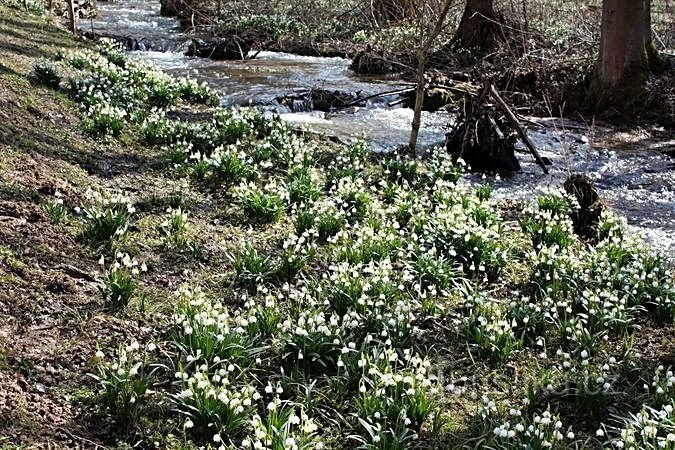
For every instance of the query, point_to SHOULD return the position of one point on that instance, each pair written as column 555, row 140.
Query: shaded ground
column 51, row 315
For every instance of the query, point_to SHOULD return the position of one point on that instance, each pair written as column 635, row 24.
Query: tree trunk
column 627, row 54
column 419, row 99
column 72, row 18
column 479, row 25
column 168, row 8
column 427, row 39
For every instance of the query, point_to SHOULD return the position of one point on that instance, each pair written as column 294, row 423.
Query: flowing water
column 635, row 181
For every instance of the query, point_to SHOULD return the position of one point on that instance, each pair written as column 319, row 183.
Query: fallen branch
column 514, row 122
column 380, row 94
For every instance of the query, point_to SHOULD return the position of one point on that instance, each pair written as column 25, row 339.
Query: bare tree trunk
column 422, row 55
column 479, row 25
column 627, row 54
column 419, row 100
column 72, row 19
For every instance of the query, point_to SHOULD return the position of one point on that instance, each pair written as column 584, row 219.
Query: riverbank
column 542, row 63
column 327, row 297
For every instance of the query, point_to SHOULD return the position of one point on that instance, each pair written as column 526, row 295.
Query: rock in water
column 229, row 47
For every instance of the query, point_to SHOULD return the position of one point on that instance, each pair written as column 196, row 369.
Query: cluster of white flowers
column 662, row 386
column 112, row 89
column 489, row 325
column 282, row 428
column 649, row 429
column 442, row 167
column 215, row 401
column 396, row 393
column 543, row 430
column 463, row 229
column 123, row 378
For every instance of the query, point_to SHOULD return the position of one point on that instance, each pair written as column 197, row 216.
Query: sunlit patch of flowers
column 490, row 326
column 193, row 91
column 283, row 427
column 124, row 379
column 261, row 204
column 177, row 153
column 648, row 429
column 554, row 273
column 56, row 209
column 401, row 169
column 229, row 165
column 542, row 430
column 302, row 185
column 206, row 331
column 354, row 197
column 324, row 218
column 176, row 231
column 314, row 339
column 253, row 269
column 397, row 395
column 463, row 229
column 369, row 298
column 630, row 270
column 113, row 89
column 216, row 406
column 350, row 162
column 364, row 244
column 105, row 120
column 547, row 228
column 549, row 223
column 45, row 72
column 159, row 129
column 120, row 280
column 442, row 167
column 106, row 216
column 112, row 50
column 296, row 252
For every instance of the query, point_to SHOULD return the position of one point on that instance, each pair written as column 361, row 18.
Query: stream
column 635, row 179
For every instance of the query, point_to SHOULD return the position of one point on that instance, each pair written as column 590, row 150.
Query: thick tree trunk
column 479, row 25
column 627, row 54
column 168, row 8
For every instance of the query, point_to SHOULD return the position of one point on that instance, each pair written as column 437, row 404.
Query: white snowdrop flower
column 599, row 432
